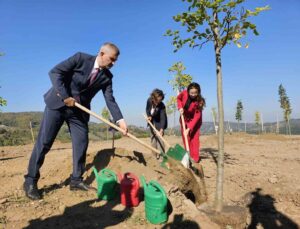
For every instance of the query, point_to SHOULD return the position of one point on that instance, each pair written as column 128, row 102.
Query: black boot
column 79, row 186
column 32, row 191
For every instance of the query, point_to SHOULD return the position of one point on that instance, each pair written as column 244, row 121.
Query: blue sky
column 36, row 35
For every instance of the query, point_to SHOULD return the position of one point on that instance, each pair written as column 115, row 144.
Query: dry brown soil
column 261, row 173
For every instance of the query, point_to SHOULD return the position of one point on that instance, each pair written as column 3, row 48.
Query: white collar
column 96, row 65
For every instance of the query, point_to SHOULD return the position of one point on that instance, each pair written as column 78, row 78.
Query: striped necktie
column 94, row 75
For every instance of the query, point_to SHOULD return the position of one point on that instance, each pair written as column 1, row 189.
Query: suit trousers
column 50, row 125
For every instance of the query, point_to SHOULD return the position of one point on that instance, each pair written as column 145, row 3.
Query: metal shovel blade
column 178, row 153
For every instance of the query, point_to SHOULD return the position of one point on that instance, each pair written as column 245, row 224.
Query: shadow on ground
column 103, row 158
column 207, row 153
column 100, row 161
column 9, row 158
column 84, row 215
column 264, row 212
column 179, row 223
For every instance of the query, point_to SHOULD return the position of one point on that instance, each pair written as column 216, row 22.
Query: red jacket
column 192, row 116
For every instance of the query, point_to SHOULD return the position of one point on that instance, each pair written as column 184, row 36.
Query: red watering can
column 129, row 189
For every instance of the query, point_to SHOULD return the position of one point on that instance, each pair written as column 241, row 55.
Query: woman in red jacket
column 190, row 103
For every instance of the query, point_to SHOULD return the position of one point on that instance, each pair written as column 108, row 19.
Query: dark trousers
column 156, row 142
column 50, row 125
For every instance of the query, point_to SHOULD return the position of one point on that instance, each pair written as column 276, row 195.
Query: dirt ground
column 261, row 173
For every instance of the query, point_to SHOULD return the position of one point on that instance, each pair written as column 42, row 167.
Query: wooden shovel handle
column 115, row 127
column 184, row 135
column 157, row 132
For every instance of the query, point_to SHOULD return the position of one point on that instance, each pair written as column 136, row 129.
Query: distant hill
column 251, row 128
column 15, row 128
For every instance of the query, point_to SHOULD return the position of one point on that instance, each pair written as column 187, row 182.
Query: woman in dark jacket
column 156, row 113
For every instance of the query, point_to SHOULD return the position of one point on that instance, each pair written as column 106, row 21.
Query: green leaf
column 255, row 32
column 176, row 18
column 198, row 21
column 231, row 4
column 252, row 26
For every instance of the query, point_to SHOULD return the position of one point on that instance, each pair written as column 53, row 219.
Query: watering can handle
column 136, row 181
column 108, row 172
column 134, row 177
column 157, row 185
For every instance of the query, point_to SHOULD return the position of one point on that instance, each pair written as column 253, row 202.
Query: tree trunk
column 106, row 133
column 220, row 169
column 220, row 164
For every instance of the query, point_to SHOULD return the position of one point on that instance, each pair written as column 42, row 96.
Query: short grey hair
column 112, row 46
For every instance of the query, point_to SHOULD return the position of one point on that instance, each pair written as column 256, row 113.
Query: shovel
column 178, row 153
column 186, row 161
column 187, row 146
column 196, row 167
column 153, row 150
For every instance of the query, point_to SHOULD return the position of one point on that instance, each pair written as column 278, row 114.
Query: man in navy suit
column 77, row 79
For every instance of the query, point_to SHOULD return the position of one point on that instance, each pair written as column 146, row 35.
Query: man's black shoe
column 79, row 186
column 32, row 191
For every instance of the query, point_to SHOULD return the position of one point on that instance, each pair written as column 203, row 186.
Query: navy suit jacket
column 159, row 117
column 70, row 78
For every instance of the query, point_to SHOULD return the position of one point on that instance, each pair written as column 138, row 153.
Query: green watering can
column 107, row 183
column 155, row 202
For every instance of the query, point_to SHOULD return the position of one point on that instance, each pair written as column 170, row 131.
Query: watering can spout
column 120, row 176
column 95, row 172
column 143, row 182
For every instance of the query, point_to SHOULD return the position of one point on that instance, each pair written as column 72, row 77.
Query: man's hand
column 70, row 102
column 149, row 118
column 181, row 110
column 122, row 124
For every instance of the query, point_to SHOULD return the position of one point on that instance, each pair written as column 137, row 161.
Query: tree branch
column 226, row 38
column 210, row 38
